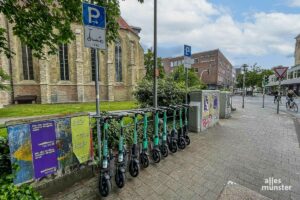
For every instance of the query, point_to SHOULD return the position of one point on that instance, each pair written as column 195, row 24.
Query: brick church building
column 69, row 76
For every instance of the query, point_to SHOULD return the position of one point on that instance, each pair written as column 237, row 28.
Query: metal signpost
column 188, row 61
column 280, row 73
column 94, row 20
column 263, row 85
column 244, row 88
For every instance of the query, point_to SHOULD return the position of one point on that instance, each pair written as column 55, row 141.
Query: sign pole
column 279, row 95
column 280, row 73
column 155, row 57
column 186, row 85
column 98, row 102
column 94, row 20
column 244, row 89
column 263, row 85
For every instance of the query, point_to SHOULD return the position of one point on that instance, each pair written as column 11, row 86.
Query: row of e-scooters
column 163, row 141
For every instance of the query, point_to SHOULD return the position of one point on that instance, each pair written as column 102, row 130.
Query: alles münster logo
column 273, row 184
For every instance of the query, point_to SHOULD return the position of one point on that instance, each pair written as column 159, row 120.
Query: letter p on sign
column 93, row 15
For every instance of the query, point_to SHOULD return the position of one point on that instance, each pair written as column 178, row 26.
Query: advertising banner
column 44, row 153
column 81, row 138
column 66, row 157
column 20, row 151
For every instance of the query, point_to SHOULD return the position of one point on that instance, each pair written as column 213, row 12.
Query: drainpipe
column 10, row 64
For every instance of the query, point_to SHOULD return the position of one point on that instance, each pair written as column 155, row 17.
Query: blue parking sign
column 93, row 15
column 187, row 51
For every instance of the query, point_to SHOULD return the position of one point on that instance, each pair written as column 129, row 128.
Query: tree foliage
column 149, row 65
column 46, row 23
column 179, row 74
column 3, row 77
column 171, row 88
column 253, row 77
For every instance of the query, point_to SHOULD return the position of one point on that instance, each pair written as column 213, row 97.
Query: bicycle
column 291, row 105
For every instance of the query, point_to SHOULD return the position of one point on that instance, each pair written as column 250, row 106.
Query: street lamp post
column 155, row 57
column 244, row 80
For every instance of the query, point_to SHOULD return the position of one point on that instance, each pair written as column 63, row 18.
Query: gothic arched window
column 118, row 61
column 27, row 63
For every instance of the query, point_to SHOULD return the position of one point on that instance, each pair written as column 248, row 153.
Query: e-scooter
column 144, row 158
column 134, row 166
column 180, row 139
column 172, row 136
column 155, row 152
column 120, row 166
column 104, row 182
column 164, row 143
column 185, row 126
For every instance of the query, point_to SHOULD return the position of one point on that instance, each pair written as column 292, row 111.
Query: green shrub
column 8, row 190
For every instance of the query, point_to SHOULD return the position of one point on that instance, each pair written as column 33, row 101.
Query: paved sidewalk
column 252, row 146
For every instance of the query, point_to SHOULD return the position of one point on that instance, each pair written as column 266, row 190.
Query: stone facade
column 297, row 51
column 220, row 69
column 79, row 86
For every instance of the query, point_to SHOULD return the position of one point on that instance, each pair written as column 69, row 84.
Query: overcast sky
column 246, row 31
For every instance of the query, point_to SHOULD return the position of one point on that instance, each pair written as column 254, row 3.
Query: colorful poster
column 44, row 153
column 20, row 151
column 80, row 127
column 210, row 113
column 66, row 157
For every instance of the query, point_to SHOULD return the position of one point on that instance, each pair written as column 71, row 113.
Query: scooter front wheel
column 144, row 160
column 181, row 143
column 156, row 155
column 164, row 150
column 134, row 168
column 120, row 178
column 104, row 186
column 173, row 146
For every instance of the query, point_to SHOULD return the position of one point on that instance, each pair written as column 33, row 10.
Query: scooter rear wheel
column 187, row 140
column 104, row 186
column 134, row 168
column 156, row 155
column 144, row 160
column 164, row 150
column 120, row 179
column 181, row 143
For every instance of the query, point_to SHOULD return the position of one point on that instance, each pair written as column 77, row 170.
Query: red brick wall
column 63, row 93
column 20, row 90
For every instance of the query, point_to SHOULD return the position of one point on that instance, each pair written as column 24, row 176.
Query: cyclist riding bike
column 290, row 97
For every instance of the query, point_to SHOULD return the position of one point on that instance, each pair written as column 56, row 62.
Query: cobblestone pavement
column 248, row 148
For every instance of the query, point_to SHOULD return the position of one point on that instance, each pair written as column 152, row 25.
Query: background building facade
column 220, row 69
column 292, row 80
column 69, row 76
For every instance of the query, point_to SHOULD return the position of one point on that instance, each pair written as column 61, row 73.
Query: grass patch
column 26, row 110
column 3, row 132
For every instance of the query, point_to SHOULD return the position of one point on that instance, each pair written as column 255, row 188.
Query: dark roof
column 124, row 25
column 298, row 37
